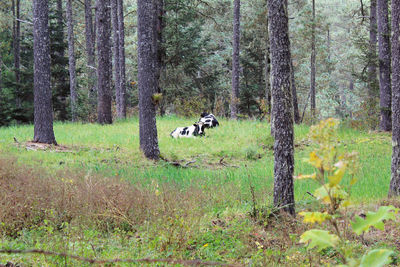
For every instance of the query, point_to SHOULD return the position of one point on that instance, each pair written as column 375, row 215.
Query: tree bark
column 121, row 26
column 43, row 109
column 104, row 65
column 16, row 48
column 161, row 50
column 268, row 74
column 72, row 61
column 372, row 74
column 147, row 77
column 294, row 94
column 282, row 106
column 394, row 189
column 117, row 58
column 313, row 56
column 90, row 52
column 235, row 60
column 384, row 65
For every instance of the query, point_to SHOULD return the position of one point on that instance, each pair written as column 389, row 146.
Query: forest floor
column 97, row 197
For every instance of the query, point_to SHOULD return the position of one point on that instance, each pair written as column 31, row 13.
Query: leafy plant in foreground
column 334, row 194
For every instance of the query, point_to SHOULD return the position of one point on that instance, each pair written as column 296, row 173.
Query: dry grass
column 29, row 197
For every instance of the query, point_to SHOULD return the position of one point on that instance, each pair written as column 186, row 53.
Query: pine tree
column 282, row 106
column 235, row 60
column 43, row 121
column 147, row 77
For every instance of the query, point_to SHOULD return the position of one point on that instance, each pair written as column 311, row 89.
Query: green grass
column 113, row 150
column 216, row 225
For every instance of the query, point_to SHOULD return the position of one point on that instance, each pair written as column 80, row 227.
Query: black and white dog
column 209, row 120
column 196, row 129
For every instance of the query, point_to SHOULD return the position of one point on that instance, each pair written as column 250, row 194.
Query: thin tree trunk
column 117, row 58
column 294, row 94
column 16, row 48
column 372, row 74
column 282, row 106
column 90, row 53
column 43, row 108
column 235, row 59
column 384, row 65
column 147, row 77
column 161, row 51
column 104, row 56
column 72, row 61
column 121, row 27
column 267, row 74
column 394, row 189
column 313, row 56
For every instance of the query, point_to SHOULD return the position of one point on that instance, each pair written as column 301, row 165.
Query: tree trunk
column 43, row 108
column 294, row 94
column 104, row 68
column 282, row 106
column 313, row 70
column 121, row 27
column 395, row 180
column 116, row 50
column 384, row 65
column 235, row 60
column 147, row 77
column 268, row 74
column 90, row 53
column 72, row 61
column 161, row 51
column 372, row 74
column 16, row 48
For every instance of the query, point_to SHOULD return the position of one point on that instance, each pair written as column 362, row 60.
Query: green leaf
column 319, row 238
column 374, row 219
column 376, row 258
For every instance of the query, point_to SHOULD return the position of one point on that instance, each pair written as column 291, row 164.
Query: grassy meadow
column 198, row 211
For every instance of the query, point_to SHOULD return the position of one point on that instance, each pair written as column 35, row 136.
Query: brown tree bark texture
column 104, row 98
column 71, row 60
column 147, row 77
column 384, row 65
column 121, row 26
column 395, row 180
column 282, row 106
column 235, row 59
column 43, row 107
column 373, row 39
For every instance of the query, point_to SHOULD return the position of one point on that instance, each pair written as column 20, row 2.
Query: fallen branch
column 221, row 162
column 177, row 163
column 105, row 261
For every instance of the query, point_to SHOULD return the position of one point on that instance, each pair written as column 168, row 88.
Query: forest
column 199, row 132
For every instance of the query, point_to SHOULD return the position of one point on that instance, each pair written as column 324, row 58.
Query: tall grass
column 245, row 148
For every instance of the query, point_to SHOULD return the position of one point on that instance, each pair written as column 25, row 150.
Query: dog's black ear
column 204, row 114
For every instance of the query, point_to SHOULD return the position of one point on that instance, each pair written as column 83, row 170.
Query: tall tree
column 282, row 106
column 116, row 50
column 104, row 65
column 43, row 114
column 313, row 56
column 395, row 181
column 72, row 61
column 90, row 38
column 147, row 77
column 373, row 38
column 235, row 60
column 384, row 65
column 121, row 30
column 16, row 47
column 267, row 73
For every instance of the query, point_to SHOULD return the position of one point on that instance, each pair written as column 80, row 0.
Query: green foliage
column 374, row 219
column 319, row 238
column 331, row 167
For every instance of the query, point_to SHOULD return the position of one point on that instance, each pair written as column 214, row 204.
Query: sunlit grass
column 245, row 147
